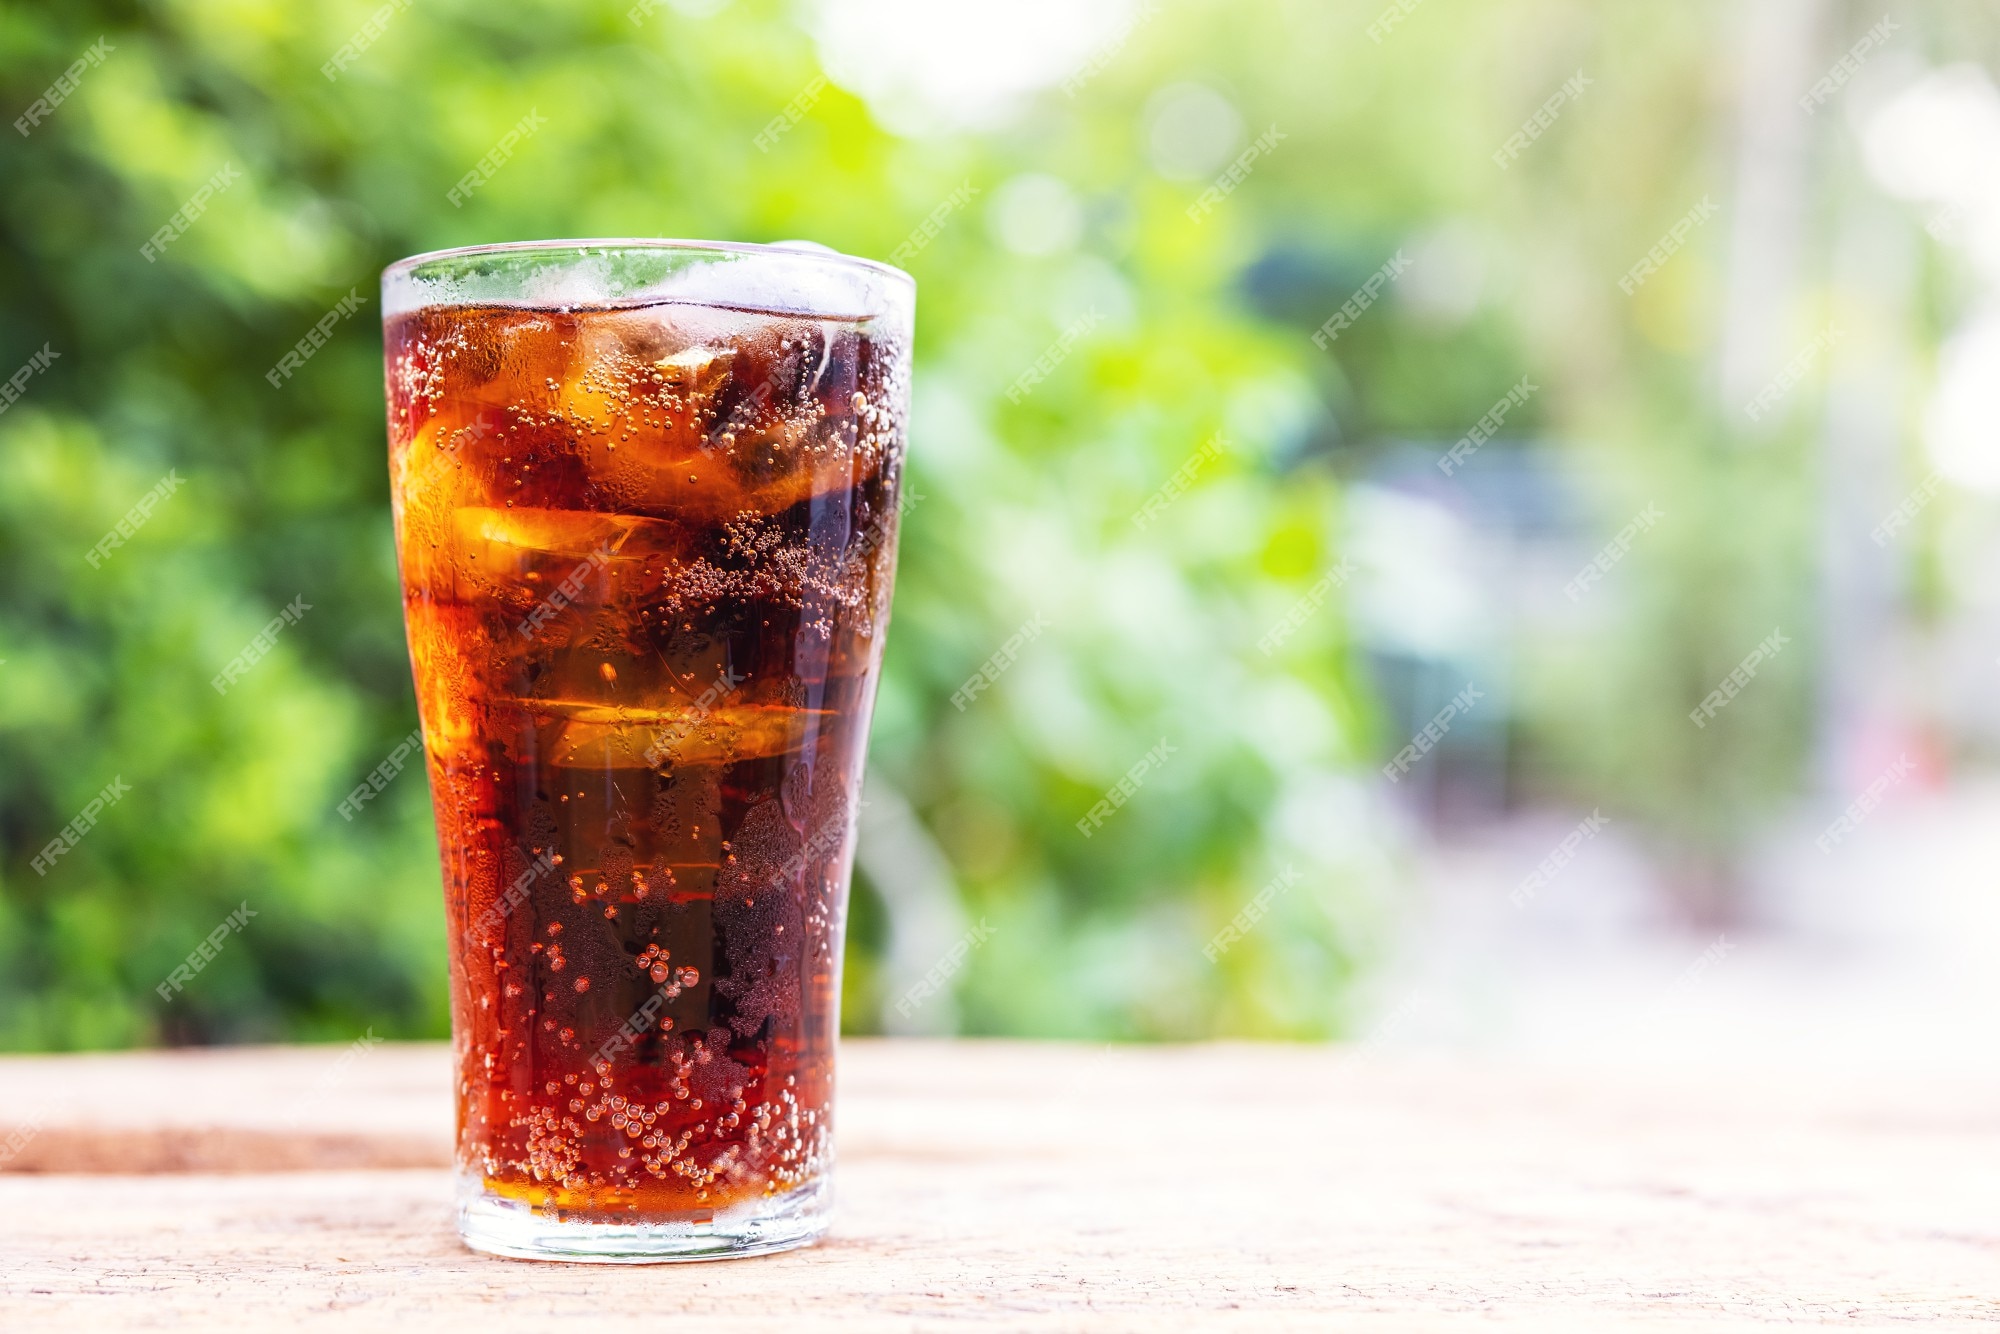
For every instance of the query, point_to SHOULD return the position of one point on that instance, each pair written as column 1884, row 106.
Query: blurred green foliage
column 1198, row 327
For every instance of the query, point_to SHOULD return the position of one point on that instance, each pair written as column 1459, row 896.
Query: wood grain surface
column 1042, row 1187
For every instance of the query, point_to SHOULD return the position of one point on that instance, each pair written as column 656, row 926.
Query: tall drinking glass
column 646, row 498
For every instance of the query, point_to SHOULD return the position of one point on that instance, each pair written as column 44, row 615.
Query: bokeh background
column 1240, row 541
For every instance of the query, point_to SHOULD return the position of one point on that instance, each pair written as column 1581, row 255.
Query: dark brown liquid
column 646, row 558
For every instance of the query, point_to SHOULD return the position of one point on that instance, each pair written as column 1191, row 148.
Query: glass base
column 501, row 1226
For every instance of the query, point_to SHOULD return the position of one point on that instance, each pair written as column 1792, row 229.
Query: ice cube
column 506, row 359
column 695, row 371
column 429, row 485
column 644, row 426
column 446, row 643
column 602, row 736
column 525, row 555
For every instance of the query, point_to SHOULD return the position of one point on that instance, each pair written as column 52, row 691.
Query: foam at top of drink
column 601, row 275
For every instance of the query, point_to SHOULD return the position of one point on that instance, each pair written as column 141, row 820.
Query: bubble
column 1033, row 214
column 1191, row 130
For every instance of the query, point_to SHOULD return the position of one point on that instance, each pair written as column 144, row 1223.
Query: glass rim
column 584, row 245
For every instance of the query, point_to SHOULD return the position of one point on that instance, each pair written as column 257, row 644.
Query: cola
column 646, row 549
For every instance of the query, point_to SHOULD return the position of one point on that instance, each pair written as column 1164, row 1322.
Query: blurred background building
column 1546, row 355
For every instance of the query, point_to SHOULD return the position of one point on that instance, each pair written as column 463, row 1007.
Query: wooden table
column 1018, row 1186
